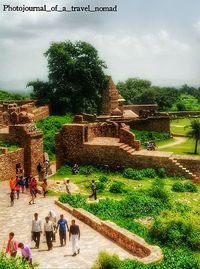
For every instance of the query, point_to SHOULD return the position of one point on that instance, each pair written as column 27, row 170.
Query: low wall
column 159, row 124
column 181, row 114
column 131, row 242
column 138, row 108
column 41, row 113
column 8, row 163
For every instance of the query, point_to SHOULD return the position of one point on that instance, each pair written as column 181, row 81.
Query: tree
column 76, row 78
column 195, row 133
column 132, row 88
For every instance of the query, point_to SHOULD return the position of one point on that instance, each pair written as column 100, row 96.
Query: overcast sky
column 153, row 39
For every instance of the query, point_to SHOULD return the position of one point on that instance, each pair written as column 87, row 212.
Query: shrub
column 190, row 187
column 117, row 187
column 138, row 174
column 128, row 173
column 103, row 179
column 17, row 263
column 160, row 193
column 73, row 200
column 107, row 261
column 149, row 172
column 86, row 170
column 184, row 187
column 161, row 173
column 100, row 186
column 64, row 170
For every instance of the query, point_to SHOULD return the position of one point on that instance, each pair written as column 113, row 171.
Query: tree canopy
column 76, row 78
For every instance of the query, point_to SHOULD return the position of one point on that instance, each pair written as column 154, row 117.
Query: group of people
column 50, row 229
column 25, row 184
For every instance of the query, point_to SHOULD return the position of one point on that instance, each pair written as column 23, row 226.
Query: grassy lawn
column 178, row 125
column 184, row 148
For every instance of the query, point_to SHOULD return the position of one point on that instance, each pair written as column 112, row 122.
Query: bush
column 160, row 193
column 103, row 179
column 100, row 186
column 117, row 187
column 17, row 263
column 73, row 200
column 64, row 170
column 138, row 175
column 107, row 261
column 184, row 187
column 161, row 173
column 149, row 172
column 86, row 170
column 128, row 173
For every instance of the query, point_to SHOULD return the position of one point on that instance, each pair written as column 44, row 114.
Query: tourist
column 52, row 218
column 74, row 235
column 45, row 187
column 12, row 183
column 11, row 245
column 12, row 197
column 39, row 170
column 48, row 231
column 17, row 186
column 67, row 186
column 47, row 166
column 26, row 252
column 33, row 190
column 22, row 183
column 36, row 230
column 75, row 169
column 62, row 225
column 94, row 191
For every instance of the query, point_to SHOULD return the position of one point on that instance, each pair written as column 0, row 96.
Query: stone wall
column 41, row 113
column 159, row 124
column 8, row 163
column 192, row 163
column 139, row 108
column 181, row 114
column 136, row 245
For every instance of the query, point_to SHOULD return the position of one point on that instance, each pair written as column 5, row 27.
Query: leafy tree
column 132, row 88
column 195, row 133
column 76, row 78
column 5, row 95
column 186, row 102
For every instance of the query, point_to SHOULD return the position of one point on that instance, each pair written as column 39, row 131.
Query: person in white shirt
column 36, row 230
column 52, row 217
column 48, row 230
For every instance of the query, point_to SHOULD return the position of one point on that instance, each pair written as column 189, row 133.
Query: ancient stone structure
column 114, row 145
column 28, row 156
column 142, row 251
column 139, row 117
column 21, row 112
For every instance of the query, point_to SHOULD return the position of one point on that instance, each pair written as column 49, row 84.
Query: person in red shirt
column 33, row 190
column 17, row 186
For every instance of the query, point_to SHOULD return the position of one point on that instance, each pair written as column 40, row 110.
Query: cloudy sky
column 153, row 39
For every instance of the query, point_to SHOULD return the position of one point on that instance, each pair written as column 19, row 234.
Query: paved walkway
column 18, row 219
column 179, row 140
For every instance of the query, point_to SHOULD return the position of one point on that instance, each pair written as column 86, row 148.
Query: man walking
column 74, row 235
column 48, row 230
column 36, row 230
column 62, row 225
column 94, row 190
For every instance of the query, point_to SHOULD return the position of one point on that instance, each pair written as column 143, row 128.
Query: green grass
column 165, row 142
column 183, row 148
column 178, row 125
column 11, row 147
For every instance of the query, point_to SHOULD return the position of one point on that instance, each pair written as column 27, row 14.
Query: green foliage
column 64, row 170
column 161, row 172
column 106, row 261
column 145, row 136
column 11, row 147
column 12, row 263
column 117, row 187
column 100, row 186
column 86, row 170
column 177, row 230
column 76, row 78
column 195, row 133
column 103, row 179
column 186, row 102
column 73, row 200
column 9, row 96
column 128, row 173
column 184, row 187
column 139, row 174
column 50, row 126
column 158, row 191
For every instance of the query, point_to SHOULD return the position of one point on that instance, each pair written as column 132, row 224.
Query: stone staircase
column 127, row 148
column 187, row 173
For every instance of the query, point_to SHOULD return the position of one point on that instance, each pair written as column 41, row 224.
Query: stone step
column 131, row 150
column 127, row 148
column 123, row 146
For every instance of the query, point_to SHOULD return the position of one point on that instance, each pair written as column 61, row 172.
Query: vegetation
column 178, row 126
column 186, row 103
column 6, row 96
column 50, row 126
column 11, row 147
column 13, row 263
column 184, row 187
column 76, row 78
column 195, row 133
column 145, row 136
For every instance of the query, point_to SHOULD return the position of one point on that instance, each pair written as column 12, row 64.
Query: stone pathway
column 179, row 140
column 18, row 219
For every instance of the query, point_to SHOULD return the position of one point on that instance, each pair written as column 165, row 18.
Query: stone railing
column 141, row 251
column 128, row 138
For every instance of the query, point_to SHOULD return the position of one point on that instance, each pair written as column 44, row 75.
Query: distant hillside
column 5, row 95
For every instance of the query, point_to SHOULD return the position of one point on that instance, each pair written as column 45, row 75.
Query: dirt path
column 179, row 140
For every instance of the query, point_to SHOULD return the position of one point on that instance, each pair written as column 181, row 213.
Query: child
column 12, row 197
